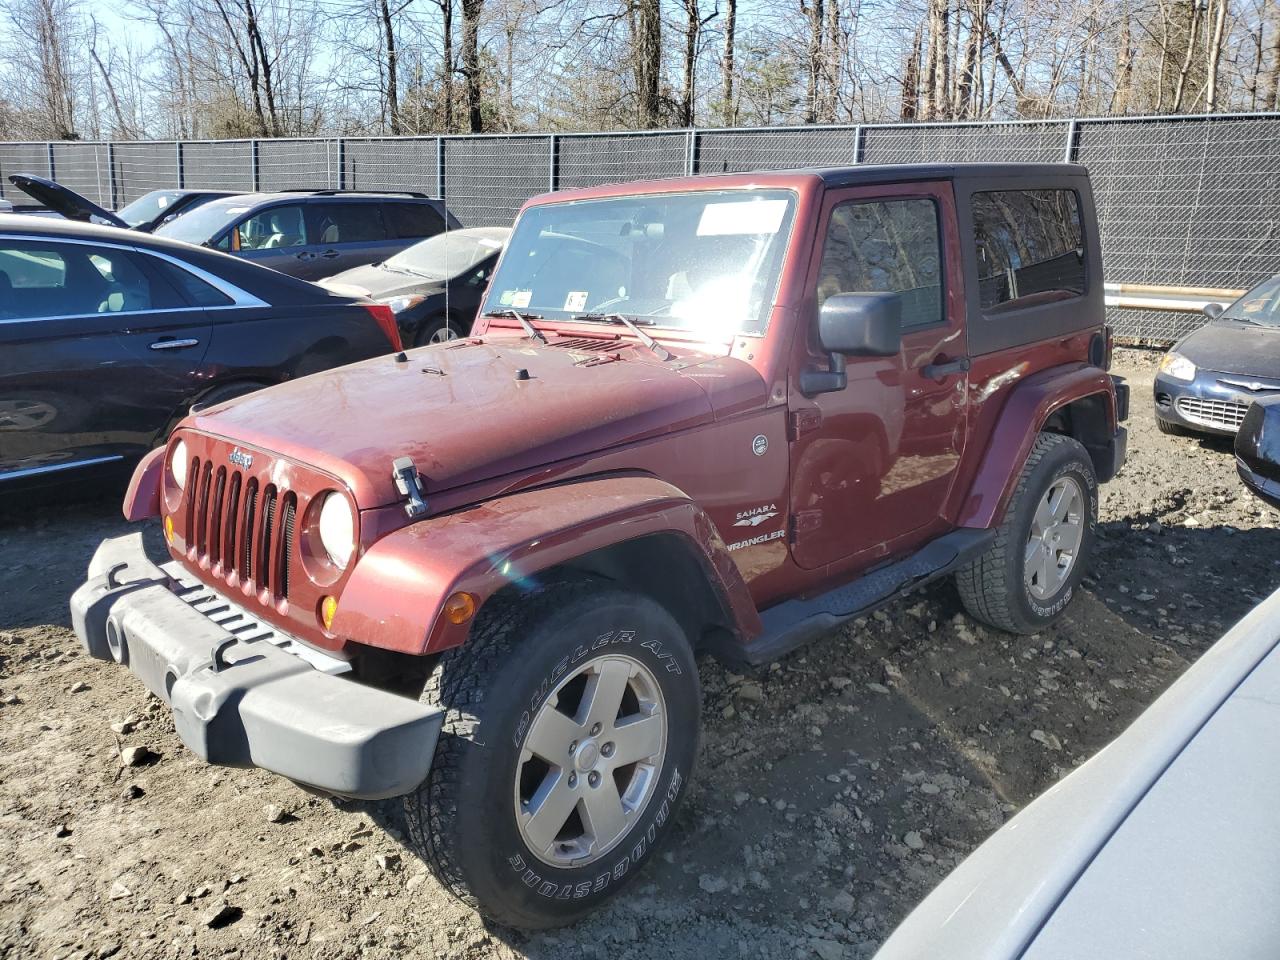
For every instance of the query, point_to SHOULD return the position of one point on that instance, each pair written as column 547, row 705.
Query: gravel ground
column 834, row 790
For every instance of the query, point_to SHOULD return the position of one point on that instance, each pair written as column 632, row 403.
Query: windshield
column 706, row 261
column 1260, row 305
column 203, row 223
column 147, row 207
column 447, row 255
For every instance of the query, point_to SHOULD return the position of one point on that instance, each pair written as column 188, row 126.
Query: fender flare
column 142, row 498
column 397, row 590
column 1027, row 409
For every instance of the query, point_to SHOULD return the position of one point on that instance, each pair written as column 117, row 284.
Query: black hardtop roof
column 873, row 173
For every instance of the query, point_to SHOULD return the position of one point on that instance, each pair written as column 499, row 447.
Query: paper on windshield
column 741, row 217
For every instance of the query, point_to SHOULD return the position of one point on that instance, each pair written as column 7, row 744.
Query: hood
column 59, row 199
column 1233, row 346
column 464, row 413
column 379, row 283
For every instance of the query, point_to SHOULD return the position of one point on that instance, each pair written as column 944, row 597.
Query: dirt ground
column 834, row 790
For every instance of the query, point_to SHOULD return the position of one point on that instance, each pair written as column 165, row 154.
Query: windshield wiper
column 661, row 352
column 524, row 319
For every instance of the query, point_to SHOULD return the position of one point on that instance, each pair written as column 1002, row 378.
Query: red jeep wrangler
column 720, row 414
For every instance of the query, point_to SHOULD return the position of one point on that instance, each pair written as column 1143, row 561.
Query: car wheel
column 571, row 730
column 1164, row 426
column 437, row 330
column 1043, row 544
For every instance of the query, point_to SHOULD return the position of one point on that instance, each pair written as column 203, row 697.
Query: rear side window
column 197, row 291
column 273, row 228
column 1029, row 247
column 886, row 246
column 329, row 223
column 414, row 220
column 41, row 279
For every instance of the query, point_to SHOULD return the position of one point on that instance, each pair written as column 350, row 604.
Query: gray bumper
column 243, row 694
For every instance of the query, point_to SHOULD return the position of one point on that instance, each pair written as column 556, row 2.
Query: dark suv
column 313, row 234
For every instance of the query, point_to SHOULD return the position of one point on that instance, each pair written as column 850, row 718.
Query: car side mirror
column 858, row 325
column 1212, row 310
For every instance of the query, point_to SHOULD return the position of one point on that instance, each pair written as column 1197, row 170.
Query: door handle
column 305, row 255
column 168, row 343
column 947, row 368
column 330, row 254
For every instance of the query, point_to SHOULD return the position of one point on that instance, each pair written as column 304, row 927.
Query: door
column 345, row 234
column 97, row 351
column 276, row 237
column 873, row 463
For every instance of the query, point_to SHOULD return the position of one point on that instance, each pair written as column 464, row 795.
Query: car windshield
column 1260, row 305
column 447, row 255
column 706, row 261
column 205, row 222
column 147, row 207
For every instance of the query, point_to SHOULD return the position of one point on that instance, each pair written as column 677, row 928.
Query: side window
column 414, row 220
column 329, row 223
column 886, row 246
column 1029, row 247
column 40, row 279
column 274, row 227
column 197, row 292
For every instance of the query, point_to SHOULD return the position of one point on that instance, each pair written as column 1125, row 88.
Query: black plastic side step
column 793, row 623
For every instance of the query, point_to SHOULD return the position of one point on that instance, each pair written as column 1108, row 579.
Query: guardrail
column 1149, row 296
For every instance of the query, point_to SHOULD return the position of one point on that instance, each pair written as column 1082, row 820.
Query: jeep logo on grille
column 240, row 458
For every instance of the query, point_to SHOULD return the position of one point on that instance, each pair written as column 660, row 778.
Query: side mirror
column 1212, row 310
column 854, row 324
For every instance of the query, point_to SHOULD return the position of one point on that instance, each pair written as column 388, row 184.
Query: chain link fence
column 1182, row 201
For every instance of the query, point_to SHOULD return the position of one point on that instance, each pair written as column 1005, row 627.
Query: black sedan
column 1208, row 379
column 107, row 339
column 1257, row 449
column 145, row 214
column 434, row 287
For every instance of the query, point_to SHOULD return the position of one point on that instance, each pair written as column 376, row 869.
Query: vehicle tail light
column 386, row 320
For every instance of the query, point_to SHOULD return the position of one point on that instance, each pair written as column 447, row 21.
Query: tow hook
column 409, row 483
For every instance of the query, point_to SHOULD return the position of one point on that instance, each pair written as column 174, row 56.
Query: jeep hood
column 464, row 411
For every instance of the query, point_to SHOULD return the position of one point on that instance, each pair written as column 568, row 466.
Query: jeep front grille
column 239, row 527
column 1220, row 414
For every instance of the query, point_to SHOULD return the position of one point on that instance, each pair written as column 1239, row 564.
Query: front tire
column 571, row 730
column 1043, row 544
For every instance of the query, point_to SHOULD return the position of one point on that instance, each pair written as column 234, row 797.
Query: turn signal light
column 460, row 608
column 328, row 609
column 168, row 529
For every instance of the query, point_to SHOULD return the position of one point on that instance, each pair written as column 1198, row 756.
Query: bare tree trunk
column 1215, row 54
column 1124, row 69
column 393, row 93
column 962, row 106
column 648, row 49
column 264, row 59
column 942, row 66
column 911, row 81
column 730, row 25
column 1193, row 29
column 123, row 127
column 814, row 13
column 1269, row 98
column 471, row 10
column 693, row 23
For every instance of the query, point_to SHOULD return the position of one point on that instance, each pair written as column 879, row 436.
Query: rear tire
column 1172, row 429
column 541, row 668
column 438, row 330
column 1043, row 544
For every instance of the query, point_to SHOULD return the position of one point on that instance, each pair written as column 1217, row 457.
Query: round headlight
column 337, row 529
column 178, row 463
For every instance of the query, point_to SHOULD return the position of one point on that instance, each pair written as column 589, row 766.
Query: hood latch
column 409, row 483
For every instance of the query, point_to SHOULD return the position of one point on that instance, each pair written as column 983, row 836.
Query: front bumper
column 1206, row 404
column 243, row 694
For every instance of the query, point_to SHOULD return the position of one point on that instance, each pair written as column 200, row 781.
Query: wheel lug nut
column 595, row 728
column 573, row 779
column 573, row 746
column 593, row 778
column 607, row 750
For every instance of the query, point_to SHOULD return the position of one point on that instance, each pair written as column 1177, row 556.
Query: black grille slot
column 268, row 521
column 246, row 536
column 229, row 527
column 193, row 495
column 202, row 508
column 286, row 534
column 215, row 515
